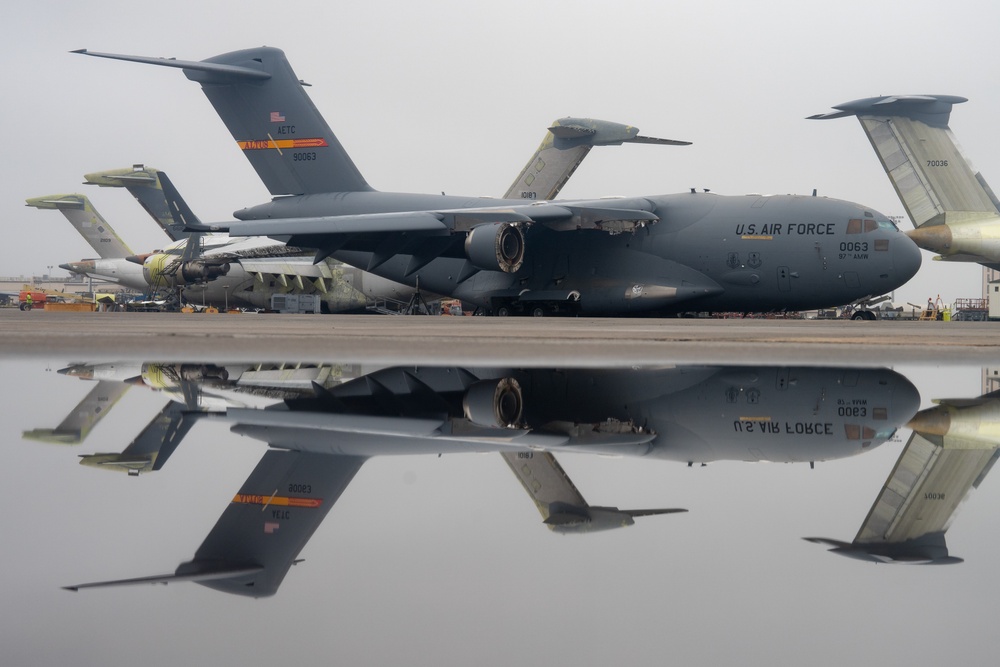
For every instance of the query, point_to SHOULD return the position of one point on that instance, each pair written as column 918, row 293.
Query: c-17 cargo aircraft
column 319, row 441
column 641, row 255
column 953, row 209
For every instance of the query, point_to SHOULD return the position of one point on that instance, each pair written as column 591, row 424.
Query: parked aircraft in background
column 320, row 437
column 954, row 211
column 952, row 448
column 660, row 254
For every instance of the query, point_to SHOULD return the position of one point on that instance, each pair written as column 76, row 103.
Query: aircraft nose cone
column 905, row 258
column 83, row 267
column 936, row 238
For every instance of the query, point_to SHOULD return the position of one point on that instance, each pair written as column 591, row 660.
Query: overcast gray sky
column 453, row 96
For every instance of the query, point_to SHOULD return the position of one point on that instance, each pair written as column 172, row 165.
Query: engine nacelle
column 494, row 403
column 163, row 270
column 200, row 271
column 496, row 246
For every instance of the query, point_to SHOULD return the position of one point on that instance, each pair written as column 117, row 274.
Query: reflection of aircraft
column 193, row 389
column 691, row 415
column 661, row 254
column 954, row 211
column 952, row 448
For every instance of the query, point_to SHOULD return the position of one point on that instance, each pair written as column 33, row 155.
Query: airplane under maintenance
column 661, row 254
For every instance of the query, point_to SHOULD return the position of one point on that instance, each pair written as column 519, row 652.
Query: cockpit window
column 858, row 226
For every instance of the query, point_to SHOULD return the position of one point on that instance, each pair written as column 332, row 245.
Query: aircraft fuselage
column 706, row 253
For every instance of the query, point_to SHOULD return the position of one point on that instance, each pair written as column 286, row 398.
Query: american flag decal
column 270, row 527
column 277, row 117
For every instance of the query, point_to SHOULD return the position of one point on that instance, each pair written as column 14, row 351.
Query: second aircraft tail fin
column 86, row 220
column 143, row 184
column 935, row 181
column 564, row 147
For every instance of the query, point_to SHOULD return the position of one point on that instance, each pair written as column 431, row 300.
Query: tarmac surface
column 490, row 340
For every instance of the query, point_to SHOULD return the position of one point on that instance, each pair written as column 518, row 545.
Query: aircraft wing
column 560, row 217
column 259, row 536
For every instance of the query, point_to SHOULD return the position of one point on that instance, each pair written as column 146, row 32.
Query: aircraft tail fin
column 77, row 425
column 260, row 534
column 272, row 119
column 183, row 217
column 154, row 444
column 86, row 220
column 143, row 184
column 563, row 149
column 935, row 181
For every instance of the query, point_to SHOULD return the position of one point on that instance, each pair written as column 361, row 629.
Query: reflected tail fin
column 273, row 120
column 560, row 503
column 154, row 444
column 260, row 534
column 77, row 425
column 87, row 221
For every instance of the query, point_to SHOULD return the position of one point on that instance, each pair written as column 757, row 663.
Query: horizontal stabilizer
column 222, row 73
column 212, row 575
column 58, row 202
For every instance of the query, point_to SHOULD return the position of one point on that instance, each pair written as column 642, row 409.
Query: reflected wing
column 259, row 536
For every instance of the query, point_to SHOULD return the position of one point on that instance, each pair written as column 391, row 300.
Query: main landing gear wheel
column 538, row 311
column 503, row 311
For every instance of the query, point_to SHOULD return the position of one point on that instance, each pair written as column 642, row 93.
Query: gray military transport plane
column 659, row 255
column 319, row 439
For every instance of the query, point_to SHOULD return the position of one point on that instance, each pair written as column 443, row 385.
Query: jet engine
column 494, row 403
column 163, row 270
column 496, row 246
